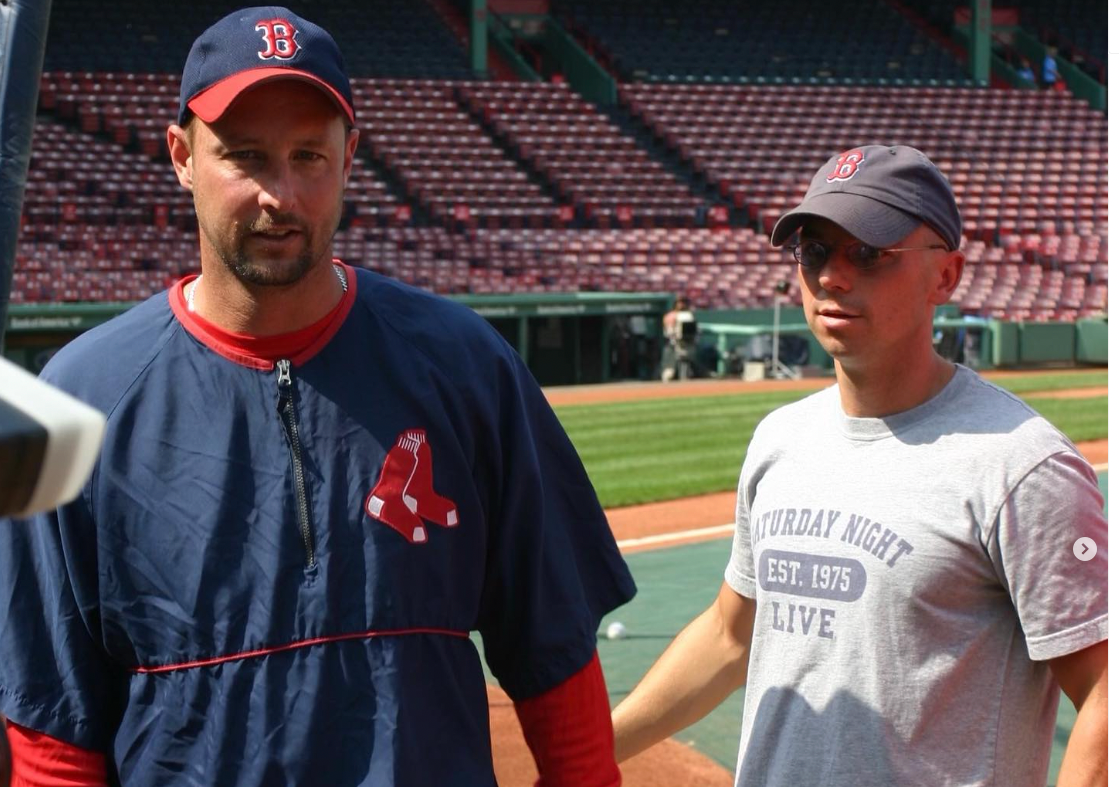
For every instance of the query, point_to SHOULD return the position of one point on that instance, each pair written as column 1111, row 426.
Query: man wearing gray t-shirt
column 902, row 599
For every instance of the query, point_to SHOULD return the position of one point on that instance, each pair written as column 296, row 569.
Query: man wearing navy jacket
column 315, row 483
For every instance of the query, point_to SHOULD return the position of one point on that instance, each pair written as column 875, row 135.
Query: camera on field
column 48, row 443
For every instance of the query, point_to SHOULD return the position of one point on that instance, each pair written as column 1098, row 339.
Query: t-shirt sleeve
column 740, row 570
column 54, row 676
column 1061, row 600
column 553, row 567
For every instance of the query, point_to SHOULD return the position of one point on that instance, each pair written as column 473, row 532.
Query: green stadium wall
column 584, row 338
column 565, row 339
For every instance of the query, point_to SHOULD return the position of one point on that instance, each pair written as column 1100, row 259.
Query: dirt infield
column 634, row 391
column 1077, row 393
column 668, row 764
column 657, row 525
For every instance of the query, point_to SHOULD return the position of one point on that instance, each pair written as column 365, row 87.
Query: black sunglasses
column 813, row 255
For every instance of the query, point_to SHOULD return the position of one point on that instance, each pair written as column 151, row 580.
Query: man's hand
column 702, row 666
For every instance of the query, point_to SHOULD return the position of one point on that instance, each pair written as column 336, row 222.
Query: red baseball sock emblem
column 432, row 507
column 404, row 495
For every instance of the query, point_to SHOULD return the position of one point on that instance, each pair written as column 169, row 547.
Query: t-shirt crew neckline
column 262, row 352
column 870, row 429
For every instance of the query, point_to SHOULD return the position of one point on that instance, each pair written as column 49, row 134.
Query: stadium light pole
column 23, row 40
column 778, row 369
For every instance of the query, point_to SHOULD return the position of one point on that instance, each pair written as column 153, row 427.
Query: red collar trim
column 262, row 352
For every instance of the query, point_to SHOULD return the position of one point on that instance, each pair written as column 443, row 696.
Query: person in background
column 679, row 326
column 1050, row 74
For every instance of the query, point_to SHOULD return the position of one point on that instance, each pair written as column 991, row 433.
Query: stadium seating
column 796, row 41
column 739, row 138
column 98, row 164
column 381, row 38
column 105, row 154
column 723, row 269
column 80, row 179
column 719, row 268
column 999, row 282
column 1009, row 187
column 591, row 164
column 1075, row 27
column 81, row 262
column 443, row 157
column 468, row 186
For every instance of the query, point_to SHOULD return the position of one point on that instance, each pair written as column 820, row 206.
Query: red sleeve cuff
column 38, row 760
column 569, row 732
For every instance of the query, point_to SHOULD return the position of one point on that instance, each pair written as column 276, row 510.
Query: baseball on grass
column 616, row 630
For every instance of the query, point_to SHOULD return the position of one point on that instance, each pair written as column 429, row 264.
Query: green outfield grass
column 1056, row 381
column 662, row 449
column 1080, row 419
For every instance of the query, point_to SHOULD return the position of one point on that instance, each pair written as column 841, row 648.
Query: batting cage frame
column 23, row 42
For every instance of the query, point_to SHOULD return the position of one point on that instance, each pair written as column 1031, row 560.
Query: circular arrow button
column 1084, row 549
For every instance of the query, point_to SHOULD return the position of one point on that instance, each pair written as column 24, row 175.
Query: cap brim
column 212, row 103
column 865, row 218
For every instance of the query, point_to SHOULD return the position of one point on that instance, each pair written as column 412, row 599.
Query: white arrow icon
column 1084, row 549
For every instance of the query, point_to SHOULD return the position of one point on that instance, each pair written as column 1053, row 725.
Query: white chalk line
column 681, row 535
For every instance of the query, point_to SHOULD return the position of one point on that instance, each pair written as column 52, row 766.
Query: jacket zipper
column 286, row 407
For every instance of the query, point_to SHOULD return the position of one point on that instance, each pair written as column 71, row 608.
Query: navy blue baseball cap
column 256, row 45
column 879, row 194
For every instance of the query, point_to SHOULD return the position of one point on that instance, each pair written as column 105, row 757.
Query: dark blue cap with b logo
column 256, row 45
column 879, row 194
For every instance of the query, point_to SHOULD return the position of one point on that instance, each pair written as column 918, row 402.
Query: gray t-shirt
column 912, row 575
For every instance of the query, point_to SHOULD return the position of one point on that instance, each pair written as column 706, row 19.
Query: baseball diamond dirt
column 671, row 523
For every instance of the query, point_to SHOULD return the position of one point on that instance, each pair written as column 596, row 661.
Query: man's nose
column 277, row 189
column 836, row 273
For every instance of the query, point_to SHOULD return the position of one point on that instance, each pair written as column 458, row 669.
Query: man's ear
column 178, row 144
column 351, row 148
column 949, row 271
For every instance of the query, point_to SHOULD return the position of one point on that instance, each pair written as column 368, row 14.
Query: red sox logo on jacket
column 846, row 166
column 404, row 495
column 279, row 39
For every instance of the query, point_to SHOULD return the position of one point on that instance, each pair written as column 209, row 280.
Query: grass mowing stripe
column 662, row 449
column 637, row 452
column 674, row 431
column 649, row 409
column 1080, row 419
column 1051, row 382
column 677, row 436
